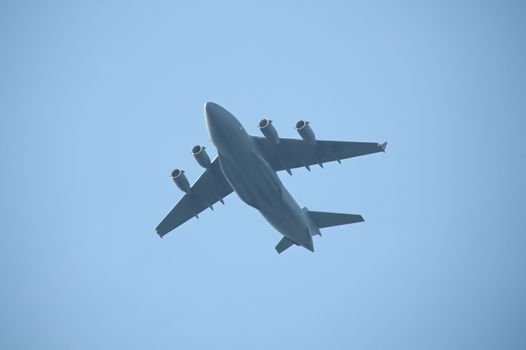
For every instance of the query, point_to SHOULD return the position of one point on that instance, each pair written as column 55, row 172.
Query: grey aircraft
column 248, row 165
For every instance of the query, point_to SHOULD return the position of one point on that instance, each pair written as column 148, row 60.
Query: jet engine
column 306, row 133
column 265, row 125
column 180, row 180
column 201, row 156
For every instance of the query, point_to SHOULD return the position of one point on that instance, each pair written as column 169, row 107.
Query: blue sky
column 99, row 101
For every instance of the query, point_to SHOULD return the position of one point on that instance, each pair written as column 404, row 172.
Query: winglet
column 383, row 146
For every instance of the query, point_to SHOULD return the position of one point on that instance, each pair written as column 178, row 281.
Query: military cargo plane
column 248, row 164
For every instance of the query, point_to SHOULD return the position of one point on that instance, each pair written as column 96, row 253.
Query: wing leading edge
column 208, row 189
column 293, row 153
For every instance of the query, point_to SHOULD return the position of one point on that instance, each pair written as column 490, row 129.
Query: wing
column 209, row 188
column 292, row 153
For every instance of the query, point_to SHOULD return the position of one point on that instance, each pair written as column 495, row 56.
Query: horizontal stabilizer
column 284, row 244
column 322, row 219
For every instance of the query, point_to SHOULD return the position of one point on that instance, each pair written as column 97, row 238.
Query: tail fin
column 323, row 219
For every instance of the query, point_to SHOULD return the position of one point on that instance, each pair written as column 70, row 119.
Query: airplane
column 248, row 164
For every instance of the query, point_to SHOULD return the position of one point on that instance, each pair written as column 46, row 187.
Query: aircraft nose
column 209, row 106
column 211, row 113
column 214, row 117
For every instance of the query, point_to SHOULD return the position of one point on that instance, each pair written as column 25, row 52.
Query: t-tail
column 317, row 220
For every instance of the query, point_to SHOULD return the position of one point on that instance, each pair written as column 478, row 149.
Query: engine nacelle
column 201, row 156
column 268, row 130
column 180, row 180
column 306, row 133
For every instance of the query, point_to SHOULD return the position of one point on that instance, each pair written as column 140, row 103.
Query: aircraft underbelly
column 251, row 181
column 258, row 185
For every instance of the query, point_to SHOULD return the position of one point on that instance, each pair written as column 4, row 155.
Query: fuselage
column 252, row 178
